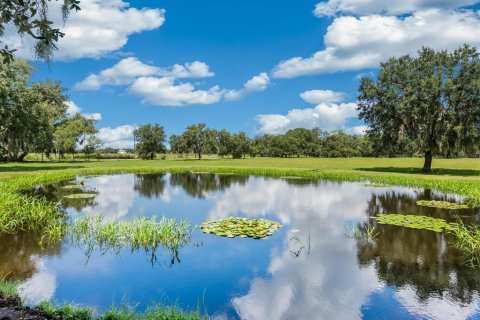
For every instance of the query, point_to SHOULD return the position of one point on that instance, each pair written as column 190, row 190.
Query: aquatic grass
column 376, row 185
column 241, row 227
column 368, row 233
column 467, row 239
column 414, row 222
column 442, row 204
column 94, row 233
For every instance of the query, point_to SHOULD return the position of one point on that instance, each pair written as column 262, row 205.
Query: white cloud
column 354, row 43
column 101, row 27
column 195, row 69
column 365, row 7
column 73, row 109
column 257, row 83
column 119, row 137
column 322, row 96
column 127, row 70
column 164, row 92
column 358, row 130
column 122, row 73
column 326, row 116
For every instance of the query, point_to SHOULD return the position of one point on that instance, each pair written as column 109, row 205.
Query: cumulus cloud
column 165, row 92
column 326, row 116
column 365, row 7
column 101, row 27
column 322, row 96
column 354, row 43
column 119, row 137
column 257, row 83
column 73, row 108
column 127, row 70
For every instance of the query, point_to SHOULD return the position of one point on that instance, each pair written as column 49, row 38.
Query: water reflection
column 307, row 270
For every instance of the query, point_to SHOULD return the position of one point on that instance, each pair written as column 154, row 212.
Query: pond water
column 308, row 269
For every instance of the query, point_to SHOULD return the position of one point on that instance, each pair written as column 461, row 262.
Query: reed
column 467, row 239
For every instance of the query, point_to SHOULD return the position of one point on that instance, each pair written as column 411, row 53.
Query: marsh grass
column 467, row 239
column 68, row 311
column 149, row 235
column 367, row 232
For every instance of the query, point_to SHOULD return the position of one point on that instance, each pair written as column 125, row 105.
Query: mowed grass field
column 451, row 169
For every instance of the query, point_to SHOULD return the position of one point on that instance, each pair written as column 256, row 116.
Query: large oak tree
column 429, row 104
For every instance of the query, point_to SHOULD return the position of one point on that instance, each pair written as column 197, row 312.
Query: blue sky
column 303, row 58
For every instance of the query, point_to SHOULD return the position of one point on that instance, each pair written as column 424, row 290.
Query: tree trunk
column 199, row 156
column 427, row 166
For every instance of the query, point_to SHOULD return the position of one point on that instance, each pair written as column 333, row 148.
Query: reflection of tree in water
column 17, row 252
column 150, row 185
column 197, row 184
column 419, row 258
column 405, row 203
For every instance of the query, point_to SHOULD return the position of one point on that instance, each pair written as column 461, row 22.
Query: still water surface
column 308, row 269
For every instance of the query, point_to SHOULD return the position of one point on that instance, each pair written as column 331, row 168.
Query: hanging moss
column 441, row 204
column 241, row 227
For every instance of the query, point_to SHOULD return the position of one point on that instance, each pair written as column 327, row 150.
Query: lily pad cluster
column 80, row 196
column 414, row 222
column 71, row 187
column 241, row 227
column 442, row 204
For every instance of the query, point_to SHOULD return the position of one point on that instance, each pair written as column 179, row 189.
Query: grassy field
column 460, row 176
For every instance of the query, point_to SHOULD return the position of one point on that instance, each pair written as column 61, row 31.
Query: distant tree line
column 200, row 140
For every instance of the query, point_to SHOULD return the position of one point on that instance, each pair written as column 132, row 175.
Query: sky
column 258, row 66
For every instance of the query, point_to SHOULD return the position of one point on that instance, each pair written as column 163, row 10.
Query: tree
column 199, row 139
column 28, row 113
column 93, row 144
column 30, row 17
column 72, row 132
column 429, row 104
column 151, row 140
column 224, row 142
column 240, row 145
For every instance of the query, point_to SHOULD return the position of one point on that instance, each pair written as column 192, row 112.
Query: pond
column 308, row 269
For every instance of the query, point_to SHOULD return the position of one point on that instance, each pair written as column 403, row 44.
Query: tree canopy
column 428, row 104
column 31, row 18
column 151, row 140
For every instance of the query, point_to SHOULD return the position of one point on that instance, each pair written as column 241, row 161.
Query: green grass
column 149, row 235
column 9, row 290
column 467, row 239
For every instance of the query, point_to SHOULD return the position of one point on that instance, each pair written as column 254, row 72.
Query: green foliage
column 8, row 289
column 28, row 113
column 467, row 239
column 146, row 234
column 92, row 145
column 31, row 18
column 196, row 138
column 67, row 311
column 151, row 140
column 413, row 221
column 442, row 204
column 428, row 105
column 241, row 227
column 80, row 196
column 73, row 131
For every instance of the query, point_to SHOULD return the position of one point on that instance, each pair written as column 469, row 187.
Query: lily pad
column 241, row 227
column 80, row 196
column 414, row 222
column 71, row 187
column 442, row 204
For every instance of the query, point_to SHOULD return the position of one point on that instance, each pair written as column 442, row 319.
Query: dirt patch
column 12, row 309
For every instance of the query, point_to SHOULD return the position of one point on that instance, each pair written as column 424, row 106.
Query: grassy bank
column 12, row 307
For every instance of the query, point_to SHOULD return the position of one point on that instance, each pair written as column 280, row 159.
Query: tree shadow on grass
column 416, row 170
column 28, row 168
